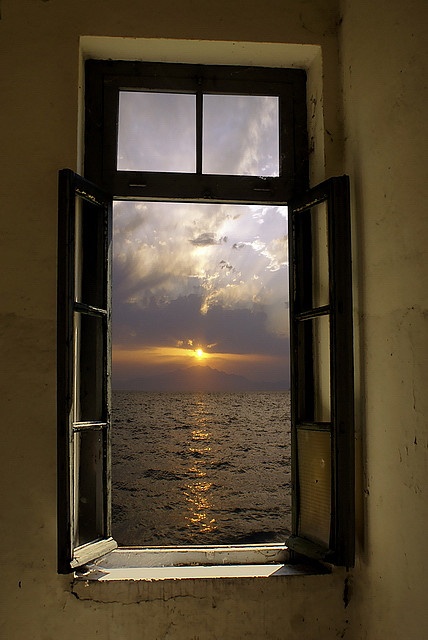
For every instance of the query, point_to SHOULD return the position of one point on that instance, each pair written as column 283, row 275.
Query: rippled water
column 200, row 468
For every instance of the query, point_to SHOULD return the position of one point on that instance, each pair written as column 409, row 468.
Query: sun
column 199, row 354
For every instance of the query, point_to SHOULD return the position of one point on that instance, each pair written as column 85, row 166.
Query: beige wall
column 382, row 54
column 384, row 69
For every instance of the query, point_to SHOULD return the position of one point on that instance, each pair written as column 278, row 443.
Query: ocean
column 201, row 468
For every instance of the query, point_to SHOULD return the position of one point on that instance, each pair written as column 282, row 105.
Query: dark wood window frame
column 84, row 369
column 104, row 81
column 339, row 549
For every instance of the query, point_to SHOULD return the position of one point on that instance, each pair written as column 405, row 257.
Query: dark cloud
column 238, row 330
column 204, row 240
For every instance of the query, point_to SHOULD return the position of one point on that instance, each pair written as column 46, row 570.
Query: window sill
column 180, row 563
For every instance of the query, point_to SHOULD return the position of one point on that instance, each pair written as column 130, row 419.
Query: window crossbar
column 90, row 425
column 314, row 426
column 313, row 313
column 89, row 310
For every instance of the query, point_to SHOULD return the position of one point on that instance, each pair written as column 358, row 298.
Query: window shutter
column 84, row 314
column 322, row 373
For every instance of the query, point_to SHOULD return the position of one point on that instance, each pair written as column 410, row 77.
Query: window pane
column 320, row 272
column 89, row 258
column 89, row 472
column 88, row 382
column 321, row 360
column 240, row 135
column 157, row 132
column 314, row 370
column 314, row 463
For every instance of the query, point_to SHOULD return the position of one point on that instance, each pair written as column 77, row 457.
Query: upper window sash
column 106, row 79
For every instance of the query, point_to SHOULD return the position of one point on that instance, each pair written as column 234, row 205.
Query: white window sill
column 178, row 563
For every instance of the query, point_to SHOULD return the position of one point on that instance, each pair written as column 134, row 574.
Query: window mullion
column 199, row 131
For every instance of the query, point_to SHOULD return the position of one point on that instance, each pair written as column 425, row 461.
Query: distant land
column 198, row 378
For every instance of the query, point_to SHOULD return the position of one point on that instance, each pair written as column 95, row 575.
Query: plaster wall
column 384, row 71
column 41, row 48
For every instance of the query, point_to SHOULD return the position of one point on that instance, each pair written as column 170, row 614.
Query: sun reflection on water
column 198, row 492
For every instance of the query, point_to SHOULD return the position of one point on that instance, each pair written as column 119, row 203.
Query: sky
column 199, row 284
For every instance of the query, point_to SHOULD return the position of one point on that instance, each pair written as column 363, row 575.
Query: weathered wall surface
column 384, row 65
column 39, row 108
column 384, row 87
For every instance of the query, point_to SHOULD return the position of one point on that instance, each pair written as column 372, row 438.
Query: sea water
column 201, row 468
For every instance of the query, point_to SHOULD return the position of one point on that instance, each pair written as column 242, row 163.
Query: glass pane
column 90, row 258
column 88, row 383
column 314, row 399
column 89, row 474
column 320, row 272
column 157, row 132
column 321, row 360
column 240, row 135
column 314, row 465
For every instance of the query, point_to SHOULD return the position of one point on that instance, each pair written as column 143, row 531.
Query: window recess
column 320, row 300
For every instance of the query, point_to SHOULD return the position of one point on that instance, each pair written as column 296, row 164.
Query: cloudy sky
column 199, row 283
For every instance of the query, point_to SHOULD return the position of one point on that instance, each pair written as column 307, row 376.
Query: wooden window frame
column 104, row 80
column 334, row 193
column 72, row 308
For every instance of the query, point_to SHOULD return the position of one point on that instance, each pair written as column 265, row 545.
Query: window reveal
column 322, row 416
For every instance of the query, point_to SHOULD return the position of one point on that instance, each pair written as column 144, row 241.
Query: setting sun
column 199, row 354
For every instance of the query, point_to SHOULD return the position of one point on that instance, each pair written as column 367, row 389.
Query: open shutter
column 84, row 315
column 322, row 373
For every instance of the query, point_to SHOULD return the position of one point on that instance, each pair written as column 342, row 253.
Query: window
column 322, row 373
column 83, row 371
column 321, row 329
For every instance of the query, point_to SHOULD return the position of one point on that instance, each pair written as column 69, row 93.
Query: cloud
column 241, row 135
column 188, row 274
column 180, row 323
column 204, row 240
column 151, row 260
column 178, row 277
column 156, row 131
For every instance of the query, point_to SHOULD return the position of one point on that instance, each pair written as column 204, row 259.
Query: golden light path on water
column 197, row 493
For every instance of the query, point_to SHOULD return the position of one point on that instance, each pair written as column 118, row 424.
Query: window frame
column 73, row 190
column 335, row 194
column 104, row 80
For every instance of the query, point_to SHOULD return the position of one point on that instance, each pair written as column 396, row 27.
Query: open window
column 321, row 331
column 322, row 373
column 84, row 317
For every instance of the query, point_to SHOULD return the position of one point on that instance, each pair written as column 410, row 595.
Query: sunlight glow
column 199, row 354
